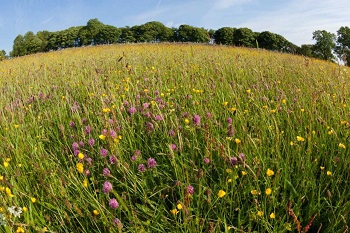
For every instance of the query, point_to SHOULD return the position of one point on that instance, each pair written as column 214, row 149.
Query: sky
column 295, row 20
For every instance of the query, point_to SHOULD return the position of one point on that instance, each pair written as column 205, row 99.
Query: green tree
column 44, row 36
column 343, row 44
column 32, row 43
column 187, row 33
column 108, row 35
column 18, row 48
column 153, row 32
column 2, row 55
column 324, row 46
column 244, row 37
column 306, row 50
column 224, row 35
column 275, row 42
column 127, row 35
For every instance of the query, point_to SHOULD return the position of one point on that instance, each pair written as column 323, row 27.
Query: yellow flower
column 291, row 143
column 2, row 188
column 179, row 206
column 254, row 192
column 269, row 172
column 260, row 213
column 341, row 145
column 272, row 215
column 221, row 193
column 102, row 137
column 80, row 155
column 300, row 139
column 16, row 126
column 85, row 183
column 322, row 168
column 33, row 199
column 25, row 209
column 302, row 110
column 1, row 178
column 229, row 180
column 80, row 167
column 268, row 191
column 237, row 141
column 233, row 109
column 244, row 173
column 248, row 91
column 6, row 164
column 187, row 121
column 106, row 110
column 329, row 173
column 228, row 170
column 95, row 212
column 20, row 230
column 284, row 101
column 224, row 103
column 8, row 192
column 174, row 211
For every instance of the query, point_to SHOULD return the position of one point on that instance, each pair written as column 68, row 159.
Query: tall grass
column 173, row 138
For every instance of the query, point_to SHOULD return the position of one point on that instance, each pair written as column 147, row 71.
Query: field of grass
column 173, row 138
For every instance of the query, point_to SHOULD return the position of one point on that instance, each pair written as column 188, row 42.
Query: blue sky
column 293, row 19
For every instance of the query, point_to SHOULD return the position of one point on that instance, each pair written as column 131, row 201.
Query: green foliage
column 2, row 55
column 325, row 43
column 224, row 35
column 244, row 37
column 343, row 44
column 187, row 33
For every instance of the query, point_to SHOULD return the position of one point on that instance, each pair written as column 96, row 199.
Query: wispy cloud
column 47, row 20
column 224, row 4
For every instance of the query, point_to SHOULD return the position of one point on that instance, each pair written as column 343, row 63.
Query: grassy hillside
column 173, row 138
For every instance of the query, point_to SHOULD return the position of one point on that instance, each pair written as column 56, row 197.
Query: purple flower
column 133, row 158
column 106, row 172
column 145, row 105
column 137, row 152
column 88, row 129
column 110, row 121
column 159, row 118
column 173, row 147
column 190, row 190
column 117, row 222
column 151, row 162
column 150, row 127
column 81, row 143
column 75, row 107
column 83, row 121
column 104, row 152
column 126, row 103
column 87, row 172
column 112, row 133
column 104, row 132
column 233, row 161
column 107, row 187
column 229, row 120
column 112, row 159
column 206, row 160
column 75, row 146
column 171, row 133
column 113, row 203
column 230, row 131
column 72, row 124
column 196, row 120
column 156, row 92
column 91, row 142
column 209, row 115
column 132, row 110
column 141, row 168
column 76, row 152
column 242, row 157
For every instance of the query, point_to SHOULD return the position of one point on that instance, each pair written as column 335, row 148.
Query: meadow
column 173, row 138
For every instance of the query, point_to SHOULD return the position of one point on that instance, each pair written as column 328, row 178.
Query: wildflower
column 75, row 146
column 341, row 145
column 141, row 168
column 248, row 91
column 196, row 120
column 106, row 172
column 91, row 142
column 269, row 172
column 112, row 159
column 15, row 211
column 224, row 103
column 329, row 173
column 230, row 131
column 322, row 168
column 150, row 127
column 106, row 110
column 238, row 141
column 8, row 192
column 260, row 213
column 107, row 187
column 113, row 133
column 6, row 164
column 187, row 121
column 244, row 173
column 1, row 178
column 113, row 203
column 102, row 137
column 221, row 193
column 85, row 183
column 174, row 211
column 80, row 155
column 132, row 110
column 291, row 143
column 158, row 118
column 268, row 191
column 117, row 222
column 190, row 190
column 20, row 230
column 229, row 181
column 233, row 161
column 88, row 129
column 33, row 199
column 80, row 167
column 25, row 209
column 95, row 212
column 255, row 192
column 272, row 215
column 72, row 124
column 103, row 152
column 171, row 133
column 206, row 160
column 300, row 139
column 302, row 110
column 151, row 162
column 179, row 206
column 229, row 120
column 173, row 147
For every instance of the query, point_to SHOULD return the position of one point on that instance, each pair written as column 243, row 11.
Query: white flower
column 12, row 210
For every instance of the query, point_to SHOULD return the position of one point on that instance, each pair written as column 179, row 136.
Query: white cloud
column 47, row 20
column 224, row 4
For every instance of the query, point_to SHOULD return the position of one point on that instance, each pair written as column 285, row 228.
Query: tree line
column 327, row 45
